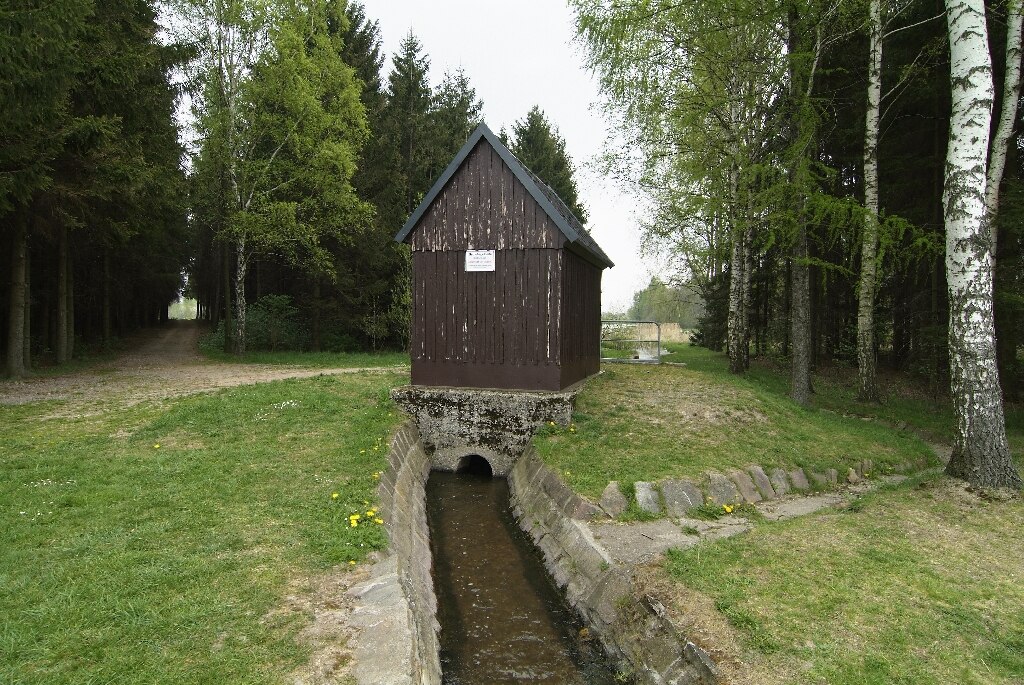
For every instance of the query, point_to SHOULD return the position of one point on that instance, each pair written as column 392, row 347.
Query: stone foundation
column 494, row 424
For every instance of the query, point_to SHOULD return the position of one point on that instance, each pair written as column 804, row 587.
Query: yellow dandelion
column 727, row 508
column 351, row 562
column 551, row 423
column 334, row 495
column 156, row 446
column 378, row 520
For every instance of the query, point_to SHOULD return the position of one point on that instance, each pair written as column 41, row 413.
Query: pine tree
column 538, row 145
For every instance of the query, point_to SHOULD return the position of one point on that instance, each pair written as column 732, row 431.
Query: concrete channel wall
column 633, row 628
column 403, row 504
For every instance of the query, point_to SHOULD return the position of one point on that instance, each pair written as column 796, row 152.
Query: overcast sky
column 517, row 55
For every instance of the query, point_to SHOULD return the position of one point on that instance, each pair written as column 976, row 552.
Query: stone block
column 680, row 496
column 745, row 485
column 647, row 497
column 866, row 467
column 833, row 476
column 761, row 481
column 584, row 510
column 779, row 481
column 819, row 478
column 799, row 479
column 720, row 489
column 613, row 501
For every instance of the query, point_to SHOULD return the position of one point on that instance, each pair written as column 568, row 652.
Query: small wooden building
column 506, row 282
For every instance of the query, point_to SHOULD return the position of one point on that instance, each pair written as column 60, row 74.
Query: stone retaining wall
column 634, row 629
column 403, row 506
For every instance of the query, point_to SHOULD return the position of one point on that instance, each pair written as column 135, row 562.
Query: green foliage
column 538, row 145
column 666, row 304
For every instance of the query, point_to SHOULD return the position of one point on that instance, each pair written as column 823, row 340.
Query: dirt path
column 164, row 363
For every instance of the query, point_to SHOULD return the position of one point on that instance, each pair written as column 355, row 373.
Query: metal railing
column 632, row 342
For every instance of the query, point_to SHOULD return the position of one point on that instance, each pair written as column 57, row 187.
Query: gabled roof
column 579, row 239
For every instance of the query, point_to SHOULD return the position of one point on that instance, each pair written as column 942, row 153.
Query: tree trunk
column 748, row 298
column 1007, row 116
column 26, row 358
column 866, row 365
column 316, row 314
column 106, row 298
column 16, row 309
column 800, row 320
column 71, row 305
column 241, row 268
column 228, row 329
column 735, row 332
column 61, row 333
column 981, row 454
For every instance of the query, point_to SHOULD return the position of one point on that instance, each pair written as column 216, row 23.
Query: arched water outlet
column 502, row 618
column 475, row 465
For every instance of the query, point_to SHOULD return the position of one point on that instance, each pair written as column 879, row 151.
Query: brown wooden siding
column 488, row 329
column 485, row 207
column 581, row 319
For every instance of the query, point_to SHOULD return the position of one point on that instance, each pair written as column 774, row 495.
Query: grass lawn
column 157, row 544
column 920, row 584
column 915, row 583
column 645, row 422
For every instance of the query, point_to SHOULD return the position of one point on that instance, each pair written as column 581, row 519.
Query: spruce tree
column 538, row 145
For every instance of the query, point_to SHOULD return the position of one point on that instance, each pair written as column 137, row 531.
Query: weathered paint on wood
column 485, row 207
column 532, row 323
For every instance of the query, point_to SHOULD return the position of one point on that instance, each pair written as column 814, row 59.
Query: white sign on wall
column 479, row 260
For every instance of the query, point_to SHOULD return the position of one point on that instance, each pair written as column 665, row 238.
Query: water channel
column 502, row 618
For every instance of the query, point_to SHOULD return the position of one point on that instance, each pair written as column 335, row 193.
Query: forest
column 257, row 154
column 813, row 169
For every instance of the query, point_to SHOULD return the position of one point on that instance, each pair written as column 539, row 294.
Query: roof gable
column 543, row 195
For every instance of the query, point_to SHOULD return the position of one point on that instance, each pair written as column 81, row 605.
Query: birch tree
column 868, row 391
column 981, row 454
column 1007, row 116
column 697, row 90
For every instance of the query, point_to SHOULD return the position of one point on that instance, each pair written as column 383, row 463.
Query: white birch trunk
column 869, row 247
column 1007, row 115
column 981, row 454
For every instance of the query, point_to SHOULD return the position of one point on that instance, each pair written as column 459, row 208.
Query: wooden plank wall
column 581, row 319
column 510, row 316
column 479, row 207
column 502, row 328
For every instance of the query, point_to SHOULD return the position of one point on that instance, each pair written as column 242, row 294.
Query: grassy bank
column 641, row 422
column 157, row 544
column 915, row 583
column 918, row 585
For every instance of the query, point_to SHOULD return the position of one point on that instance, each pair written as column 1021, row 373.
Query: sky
column 517, row 55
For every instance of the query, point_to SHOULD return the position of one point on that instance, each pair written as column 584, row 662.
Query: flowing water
column 502, row 618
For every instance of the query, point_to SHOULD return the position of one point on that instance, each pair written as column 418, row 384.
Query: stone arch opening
column 475, row 465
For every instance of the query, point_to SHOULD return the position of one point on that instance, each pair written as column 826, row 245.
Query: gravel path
column 164, row 363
